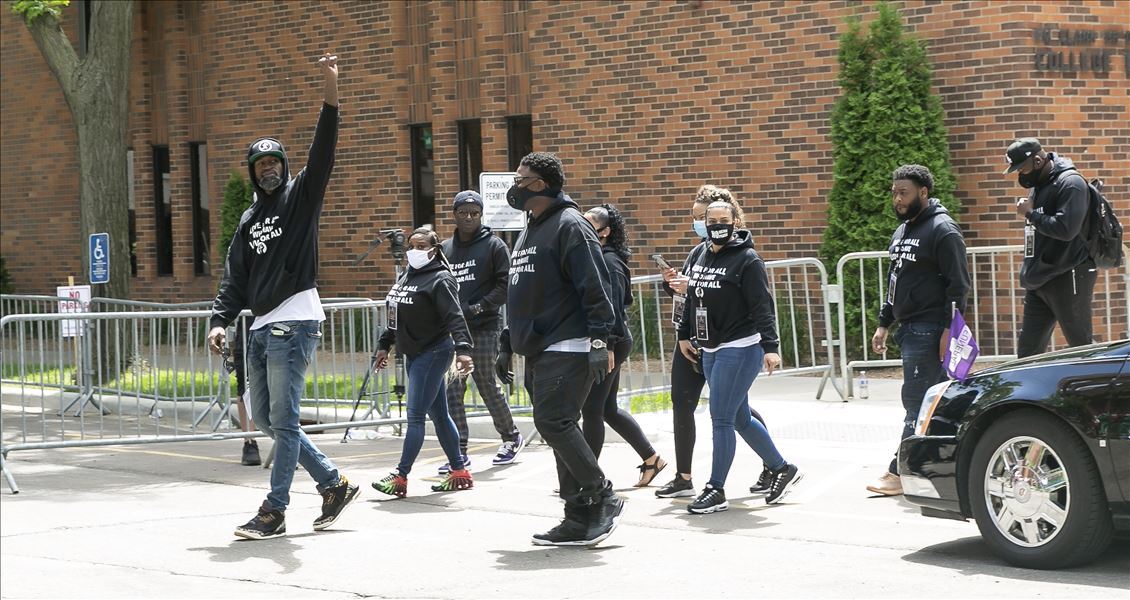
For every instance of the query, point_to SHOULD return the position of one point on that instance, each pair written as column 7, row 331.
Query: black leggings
column 601, row 408
column 686, row 389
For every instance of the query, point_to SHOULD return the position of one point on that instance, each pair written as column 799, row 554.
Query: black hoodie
column 735, row 292
column 427, row 311
column 274, row 253
column 928, row 269
column 559, row 285
column 481, row 267
column 620, row 279
column 1059, row 210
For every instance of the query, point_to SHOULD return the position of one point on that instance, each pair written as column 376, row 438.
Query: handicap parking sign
column 99, row 258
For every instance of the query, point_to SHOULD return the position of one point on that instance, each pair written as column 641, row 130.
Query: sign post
column 99, row 258
column 497, row 214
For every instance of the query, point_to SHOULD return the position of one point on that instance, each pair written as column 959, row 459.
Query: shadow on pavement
column 971, row 556
column 279, row 550
column 546, row 558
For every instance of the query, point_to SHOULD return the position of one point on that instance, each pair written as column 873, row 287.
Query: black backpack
column 1102, row 232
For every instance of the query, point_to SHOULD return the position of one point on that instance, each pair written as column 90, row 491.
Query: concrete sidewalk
column 156, row 521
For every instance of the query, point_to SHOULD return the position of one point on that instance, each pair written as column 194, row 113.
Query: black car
column 1037, row 451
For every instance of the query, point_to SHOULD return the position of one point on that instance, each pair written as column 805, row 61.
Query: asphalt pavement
column 156, row 521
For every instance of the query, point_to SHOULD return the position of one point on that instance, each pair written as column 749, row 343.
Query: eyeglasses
column 468, row 214
column 518, row 180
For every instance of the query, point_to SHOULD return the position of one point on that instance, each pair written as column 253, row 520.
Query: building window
column 520, row 138
column 470, row 154
column 201, row 238
column 423, row 176
column 163, row 200
column 132, row 214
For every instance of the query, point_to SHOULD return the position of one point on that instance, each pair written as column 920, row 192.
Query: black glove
column 598, row 364
column 475, row 310
column 502, row 368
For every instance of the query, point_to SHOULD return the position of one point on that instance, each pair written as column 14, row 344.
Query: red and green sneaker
column 455, row 481
column 394, row 484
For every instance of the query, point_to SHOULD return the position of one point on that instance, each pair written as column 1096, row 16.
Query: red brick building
column 644, row 101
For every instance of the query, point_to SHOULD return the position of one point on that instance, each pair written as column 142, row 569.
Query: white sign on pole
column 497, row 214
column 79, row 303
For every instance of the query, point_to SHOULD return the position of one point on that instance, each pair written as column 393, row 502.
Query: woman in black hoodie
column 601, row 407
column 730, row 314
column 428, row 328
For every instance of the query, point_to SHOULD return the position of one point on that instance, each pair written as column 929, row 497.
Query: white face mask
column 418, row 259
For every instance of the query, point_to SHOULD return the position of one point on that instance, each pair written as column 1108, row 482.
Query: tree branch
column 53, row 44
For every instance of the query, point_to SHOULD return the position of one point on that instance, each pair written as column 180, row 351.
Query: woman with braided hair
column 601, row 407
column 427, row 326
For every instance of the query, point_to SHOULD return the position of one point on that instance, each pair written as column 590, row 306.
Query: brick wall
column 644, row 101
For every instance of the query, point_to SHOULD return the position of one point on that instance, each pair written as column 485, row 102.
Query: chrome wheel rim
column 1027, row 492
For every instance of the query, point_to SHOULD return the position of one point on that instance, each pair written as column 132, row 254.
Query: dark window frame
column 201, row 230
column 470, row 153
column 163, row 215
column 519, row 138
column 422, row 155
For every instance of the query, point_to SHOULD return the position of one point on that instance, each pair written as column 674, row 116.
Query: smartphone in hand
column 659, row 260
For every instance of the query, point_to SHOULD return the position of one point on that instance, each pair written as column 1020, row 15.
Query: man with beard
column 1058, row 273
column 271, row 268
column 481, row 264
column 560, row 317
column 928, row 277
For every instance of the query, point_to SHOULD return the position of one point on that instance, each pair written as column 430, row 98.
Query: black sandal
column 648, row 473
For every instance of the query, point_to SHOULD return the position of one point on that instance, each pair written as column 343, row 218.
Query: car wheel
column 1036, row 493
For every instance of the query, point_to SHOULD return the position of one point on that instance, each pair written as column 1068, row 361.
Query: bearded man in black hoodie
column 928, row 277
column 560, row 315
column 271, row 268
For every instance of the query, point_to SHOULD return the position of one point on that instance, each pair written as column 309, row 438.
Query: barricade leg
column 8, row 474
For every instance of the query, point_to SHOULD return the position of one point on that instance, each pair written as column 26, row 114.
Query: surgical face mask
column 418, row 259
column 270, row 182
column 700, row 228
column 720, row 233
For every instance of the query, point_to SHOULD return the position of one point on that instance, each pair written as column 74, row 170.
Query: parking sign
column 497, row 214
column 99, row 258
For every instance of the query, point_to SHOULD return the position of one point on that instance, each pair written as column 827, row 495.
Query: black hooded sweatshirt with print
column 620, row 280
column 1060, row 206
column 733, row 286
column 559, row 285
column 427, row 311
column 928, row 269
column 481, row 266
column 274, row 253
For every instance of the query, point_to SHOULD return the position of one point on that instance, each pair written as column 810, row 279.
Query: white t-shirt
column 303, row 306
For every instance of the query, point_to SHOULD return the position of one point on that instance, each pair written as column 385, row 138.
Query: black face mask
column 720, row 233
column 517, row 197
column 1028, row 180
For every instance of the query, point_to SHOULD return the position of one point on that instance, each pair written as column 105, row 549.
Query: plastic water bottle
column 864, row 392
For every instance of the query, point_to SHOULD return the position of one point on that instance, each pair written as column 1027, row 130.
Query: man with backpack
column 1059, row 272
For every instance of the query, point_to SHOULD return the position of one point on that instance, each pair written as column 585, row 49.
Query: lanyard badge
column 1029, row 240
column 392, row 310
column 678, row 303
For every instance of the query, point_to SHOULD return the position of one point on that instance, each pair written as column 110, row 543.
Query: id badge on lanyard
column 678, row 303
column 891, row 289
column 392, row 310
column 1029, row 240
column 701, row 328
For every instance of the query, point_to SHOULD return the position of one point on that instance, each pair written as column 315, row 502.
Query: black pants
column 483, row 354
column 558, row 383
column 601, row 408
column 1066, row 299
column 686, row 389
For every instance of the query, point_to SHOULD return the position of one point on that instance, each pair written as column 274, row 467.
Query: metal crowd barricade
column 804, row 323
column 994, row 307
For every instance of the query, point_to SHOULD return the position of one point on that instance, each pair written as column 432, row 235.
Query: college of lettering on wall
column 1067, row 50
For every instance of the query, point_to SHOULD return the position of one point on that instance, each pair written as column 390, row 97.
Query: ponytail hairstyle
column 429, row 234
column 711, row 193
column 608, row 216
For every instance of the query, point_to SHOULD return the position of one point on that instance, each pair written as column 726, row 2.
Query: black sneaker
column 711, row 499
column 677, row 488
column 334, row 501
column 250, row 454
column 605, row 518
column 764, row 482
column 566, row 533
column 263, row 526
column 783, row 481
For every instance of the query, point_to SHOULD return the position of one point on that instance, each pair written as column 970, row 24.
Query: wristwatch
column 598, row 344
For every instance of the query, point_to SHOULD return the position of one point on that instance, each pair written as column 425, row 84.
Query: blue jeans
column 427, row 396
column 729, row 373
column 277, row 357
column 921, row 368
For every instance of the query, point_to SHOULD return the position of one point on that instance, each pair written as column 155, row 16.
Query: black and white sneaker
column 677, row 488
column 783, row 481
column 265, row 525
column 605, row 517
column 567, row 533
column 334, row 501
column 764, row 482
column 711, row 499
column 250, row 456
